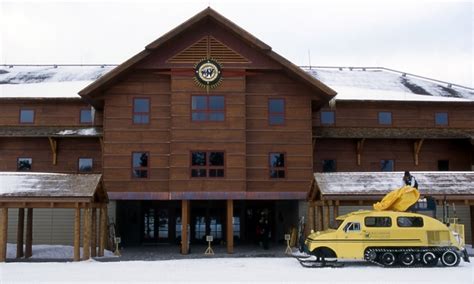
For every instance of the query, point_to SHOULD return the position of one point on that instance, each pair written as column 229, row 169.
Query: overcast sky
column 430, row 38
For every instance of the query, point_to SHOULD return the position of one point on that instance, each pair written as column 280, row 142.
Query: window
column 441, row 118
column 276, row 111
column 141, row 111
column 352, row 227
column 387, row 165
column 328, row 117
column 24, row 164
column 208, row 108
column 405, row 222
column 385, row 118
column 207, row 164
column 85, row 165
column 277, row 165
column 443, row 165
column 378, row 222
column 140, row 164
column 329, row 166
column 86, row 116
column 27, row 116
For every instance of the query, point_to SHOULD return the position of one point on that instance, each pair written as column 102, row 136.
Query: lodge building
column 207, row 130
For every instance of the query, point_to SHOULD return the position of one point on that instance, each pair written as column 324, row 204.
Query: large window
column 208, row 108
column 207, row 164
column 441, row 118
column 328, row 117
column 387, row 165
column 85, row 165
column 385, row 118
column 24, row 164
column 86, row 116
column 27, row 116
column 276, row 111
column 277, row 165
column 410, row 222
column 140, row 164
column 141, row 111
column 378, row 222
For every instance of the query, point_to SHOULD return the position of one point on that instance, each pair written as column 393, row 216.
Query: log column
column 335, row 211
column 102, row 229
column 471, row 208
column 29, row 233
column 19, row 233
column 94, row 233
column 319, row 217
column 326, row 215
column 184, row 224
column 3, row 234
column 86, row 241
column 77, row 234
column 311, row 222
column 230, row 226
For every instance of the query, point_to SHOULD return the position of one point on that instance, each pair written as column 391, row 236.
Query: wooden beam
column 53, row 142
column 230, row 226
column 184, row 228
column 77, row 234
column 3, row 233
column 416, row 150
column 29, row 233
column 335, row 211
column 310, row 223
column 326, row 217
column 471, row 209
column 86, row 241
column 101, row 140
column 360, row 147
column 94, row 233
column 20, row 233
column 102, row 230
column 319, row 218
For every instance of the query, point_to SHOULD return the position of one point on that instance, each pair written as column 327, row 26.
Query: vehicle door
column 377, row 231
column 350, row 241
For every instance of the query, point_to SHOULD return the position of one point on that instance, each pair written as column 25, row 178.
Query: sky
column 423, row 37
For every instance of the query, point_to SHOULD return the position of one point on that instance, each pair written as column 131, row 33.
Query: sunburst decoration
column 208, row 73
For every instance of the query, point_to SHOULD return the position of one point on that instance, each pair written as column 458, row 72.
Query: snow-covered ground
column 49, row 252
column 224, row 270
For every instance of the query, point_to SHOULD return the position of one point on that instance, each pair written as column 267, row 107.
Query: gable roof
column 89, row 91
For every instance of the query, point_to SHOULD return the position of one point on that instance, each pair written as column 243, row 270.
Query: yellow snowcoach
column 387, row 237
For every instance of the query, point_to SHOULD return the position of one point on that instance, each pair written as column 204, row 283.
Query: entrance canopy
column 37, row 190
column 366, row 187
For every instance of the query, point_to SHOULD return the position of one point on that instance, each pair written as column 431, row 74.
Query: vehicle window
column 352, row 227
column 378, row 222
column 410, row 222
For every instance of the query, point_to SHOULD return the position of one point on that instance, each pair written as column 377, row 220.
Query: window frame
column 321, row 118
column 141, row 113
column 385, row 124
column 141, row 168
column 447, row 119
column 322, row 165
column 270, row 113
column 375, row 226
column 80, row 116
column 34, row 115
column 207, row 167
column 270, row 168
column 18, row 163
column 207, row 110
column 380, row 165
column 410, row 217
column 79, row 165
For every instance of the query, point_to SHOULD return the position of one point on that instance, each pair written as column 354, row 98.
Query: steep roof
column 347, row 184
column 89, row 91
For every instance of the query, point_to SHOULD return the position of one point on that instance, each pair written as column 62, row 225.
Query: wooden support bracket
column 360, row 147
column 53, row 142
column 417, row 149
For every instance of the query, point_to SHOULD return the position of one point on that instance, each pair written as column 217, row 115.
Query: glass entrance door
column 155, row 225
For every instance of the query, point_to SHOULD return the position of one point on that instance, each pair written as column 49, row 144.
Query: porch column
column 29, row 233
column 335, row 211
column 102, row 229
column 77, row 234
column 3, row 234
column 19, row 233
column 319, row 217
column 86, row 241
column 94, row 233
column 471, row 208
column 184, row 224
column 326, row 215
column 230, row 226
column 310, row 223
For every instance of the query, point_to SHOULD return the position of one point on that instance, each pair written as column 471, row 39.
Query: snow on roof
column 380, row 183
column 47, row 185
column 48, row 81
column 50, row 131
column 374, row 83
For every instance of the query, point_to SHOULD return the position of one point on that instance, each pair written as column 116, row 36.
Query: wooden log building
column 208, row 130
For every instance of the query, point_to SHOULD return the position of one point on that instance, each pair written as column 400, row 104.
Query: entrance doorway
column 208, row 218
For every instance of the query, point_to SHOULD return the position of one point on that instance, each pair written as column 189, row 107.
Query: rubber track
column 438, row 251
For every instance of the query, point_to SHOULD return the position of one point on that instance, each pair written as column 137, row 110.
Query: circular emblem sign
column 208, row 73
